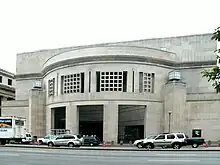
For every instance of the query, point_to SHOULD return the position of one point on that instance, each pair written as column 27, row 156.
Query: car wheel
column 149, row 146
column 176, row 146
column 70, row 145
column 195, row 145
column 139, row 145
column 50, row 144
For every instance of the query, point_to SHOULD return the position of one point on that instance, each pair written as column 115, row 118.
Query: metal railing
column 59, row 131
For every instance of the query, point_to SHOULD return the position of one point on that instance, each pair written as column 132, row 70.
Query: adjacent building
column 119, row 90
column 7, row 86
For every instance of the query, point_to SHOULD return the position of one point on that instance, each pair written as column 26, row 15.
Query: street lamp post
column 169, row 119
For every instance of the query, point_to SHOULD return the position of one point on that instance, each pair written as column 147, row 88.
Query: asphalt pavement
column 127, row 147
column 40, row 156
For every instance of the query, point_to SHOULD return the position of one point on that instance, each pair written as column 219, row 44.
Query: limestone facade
column 136, row 73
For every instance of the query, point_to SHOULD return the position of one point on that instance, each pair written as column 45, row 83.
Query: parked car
column 45, row 139
column 138, row 143
column 195, row 142
column 65, row 140
column 166, row 140
column 91, row 140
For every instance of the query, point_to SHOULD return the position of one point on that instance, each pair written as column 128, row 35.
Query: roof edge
column 7, row 72
column 118, row 42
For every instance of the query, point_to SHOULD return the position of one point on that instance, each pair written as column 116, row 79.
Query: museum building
column 119, row 91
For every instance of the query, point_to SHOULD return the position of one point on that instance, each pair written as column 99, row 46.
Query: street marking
column 36, row 151
column 174, row 154
column 172, row 160
column 8, row 154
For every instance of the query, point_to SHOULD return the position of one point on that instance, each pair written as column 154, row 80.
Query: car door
column 169, row 139
column 86, row 141
column 159, row 140
column 67, row 139
column 59, row 141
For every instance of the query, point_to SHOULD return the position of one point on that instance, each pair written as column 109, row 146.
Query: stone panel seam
column 64, row 102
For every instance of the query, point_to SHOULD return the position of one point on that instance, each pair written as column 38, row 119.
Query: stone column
column 86, row 82
column 110, row 123
column 129, row 80
column 153, row 119
column 49, row 120
column 37, row 112
column 175, row 113
column 72, row 118
column 136, row 81
column 93, row 81
column 145, row 122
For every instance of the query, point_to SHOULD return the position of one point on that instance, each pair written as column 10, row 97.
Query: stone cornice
column 7, row 88
column 116, row 58
column 7, row 74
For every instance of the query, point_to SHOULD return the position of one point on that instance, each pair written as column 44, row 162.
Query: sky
column 30, row 25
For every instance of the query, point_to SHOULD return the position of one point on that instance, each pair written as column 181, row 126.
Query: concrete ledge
column 215, row 149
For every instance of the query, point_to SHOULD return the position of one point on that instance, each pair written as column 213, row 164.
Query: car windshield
column 151, row 137
column 79, row 136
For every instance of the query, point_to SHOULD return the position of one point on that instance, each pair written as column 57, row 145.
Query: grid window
column 111, row 81
column 72, row 83
column 51, row 87
column 148, row 82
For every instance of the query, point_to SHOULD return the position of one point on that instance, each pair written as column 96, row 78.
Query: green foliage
column 213, row 74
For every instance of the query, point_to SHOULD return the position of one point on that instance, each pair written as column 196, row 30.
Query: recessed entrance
column 131, row 122
column 59, row 118
column 91, row 120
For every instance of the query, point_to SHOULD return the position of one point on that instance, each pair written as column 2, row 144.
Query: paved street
column 125, row 147
column 35, row 156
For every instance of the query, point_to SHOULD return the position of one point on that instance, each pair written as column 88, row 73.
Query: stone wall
column 195, row 82
column 188, row 48
column 22, row 88
column 204, row 114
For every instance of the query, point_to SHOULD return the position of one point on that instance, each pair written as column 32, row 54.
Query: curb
column 114, row 149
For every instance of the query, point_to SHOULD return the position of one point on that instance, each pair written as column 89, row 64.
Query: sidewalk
column 117, row 148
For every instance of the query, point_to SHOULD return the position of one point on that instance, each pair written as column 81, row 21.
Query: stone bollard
column 121, row 142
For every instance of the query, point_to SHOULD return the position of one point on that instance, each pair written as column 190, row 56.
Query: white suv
column 174, row 140
column 65, row 140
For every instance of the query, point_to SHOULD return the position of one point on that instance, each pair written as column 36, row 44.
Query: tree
column 213, row 74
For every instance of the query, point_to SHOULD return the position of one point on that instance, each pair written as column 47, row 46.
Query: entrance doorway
column 91, row 120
